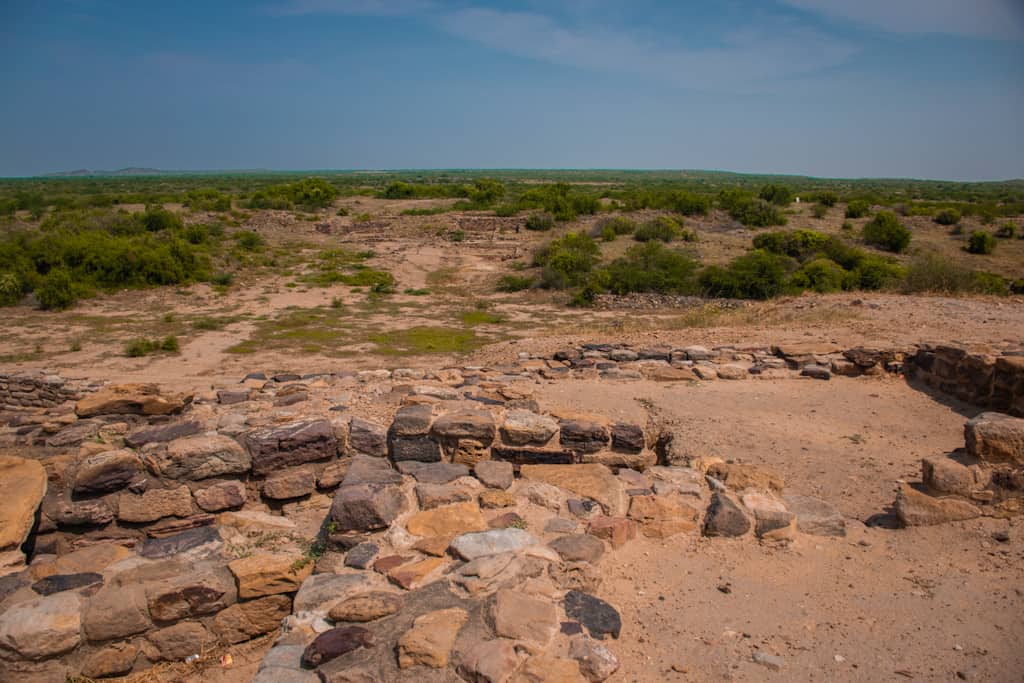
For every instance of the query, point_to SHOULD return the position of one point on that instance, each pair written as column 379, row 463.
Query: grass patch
column 474, row 318
column 424, row 340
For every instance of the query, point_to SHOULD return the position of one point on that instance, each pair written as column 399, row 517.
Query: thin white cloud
column 743, row 59
column 1002, row 19
column 382, row 8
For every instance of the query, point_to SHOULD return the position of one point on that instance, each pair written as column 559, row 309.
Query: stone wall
column 992, row 380
column 20, row 391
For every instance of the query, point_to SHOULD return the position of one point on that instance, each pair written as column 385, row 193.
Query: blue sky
column 849, row 88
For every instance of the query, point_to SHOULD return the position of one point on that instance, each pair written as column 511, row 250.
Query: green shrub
column 249, row 240
column 566, row 262
column 207, row 199
column 608, row 234
column 540, row 222
column 688, row 203
column 819, row 211
column 650, row 267
column 343, row 211
column 875, row 272
column 847, row 226
column 827, row 198
column 822, row 275
column 758, row 274
column 799, row 244
column 688, row 235
column 932, row 272
column 457, row 236
column 158, row 219
column 506, row 210
column 857, row 208
column 1007, row 231
column 486, row 191
column 169, row 344
column 619, row 225
column 981, row 242
column 514, row 283
column 56, row 291
column 886, row 231
column 662, row 228
column 560, row 200
column 780, row 195
column 137, row 348
column 11, row 289
column 759, row 214
column 223, row 279
column 947, row 217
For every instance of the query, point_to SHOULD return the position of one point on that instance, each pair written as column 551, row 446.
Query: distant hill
column 138, row 170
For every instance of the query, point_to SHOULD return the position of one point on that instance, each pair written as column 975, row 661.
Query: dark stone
column 104, row 472
column 583, row 436
column 367, row 437
column 411, row 421
column 724, row 517
column 286, row 377
column 294, row 444
column 599, row 618
column 13, row 582
column 77, row 513
column 178, row 543
column 291, row 399
column 334, row 643
column 172, row 527
column 582, row 508
column 57, row 583
column 566, row 354
column 162, row 433
column 467, row 424
column 571, row 628
column 602, row 348
column 365, row 469
column 520, row 455
column 75, row 433
column 367, row 507
column 816, row 372
column 628, row 437
column 433, row 473
column 487, row 401
column 255, row 375
column 419, row 448
column 362, row 556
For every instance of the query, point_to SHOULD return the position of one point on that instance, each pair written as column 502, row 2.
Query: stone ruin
column 392, row 525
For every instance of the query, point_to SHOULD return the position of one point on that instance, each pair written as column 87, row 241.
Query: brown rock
column 547, row 669
column 199, row 457
column 739, row 476
column 366, row 607
column 467, row 424
column 155, row 504
column 291, row 444
column 496, row 498
column 489, row 661
column 91, row 559
column 221, row 496
column 177, row 642
column 268, row 574
column 433, row 495
column 116, row 612
column 113, row 660
column 192, row 594
column 524, row 618
column 592, row 481
column 495, row 473
column 42, row 627
column 22, row 487
column 410, row 576
column 134, row 399
column 447, row 521
column 246, row 620
column 662, row 516
column 616, row 530
column 367, row 507
column 430, row 640
column 522, row 428
column 919, row 509
column 107, row 471
column 289, row 484
column 995, row 437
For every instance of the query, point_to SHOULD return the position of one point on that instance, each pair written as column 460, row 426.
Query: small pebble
column 771, row 661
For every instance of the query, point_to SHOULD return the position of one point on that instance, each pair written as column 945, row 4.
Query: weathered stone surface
column 433, row 473
column 526, row 455
column 919, row 509
column 221, row 496
column 199, row 457
column 416, row 448
column 177, row 642
column 592, row 481
column 740, row 476
column 362, row 555
column 549, row 669
column 432, row 495
column 335, row 643
column 107, row 471
column 496, row 498
column 772, row 520
column 116, row 612
column 268, row 574
column 366, row 607
column 366, row 507
column 945, row 475
column 173, row 527
column 816, row 372
column 725, row 517
column 22, row 487
column 628, row 437
column 58, row 583
column 489, row 661
column 134, row 399
column 996, row 438
column 524, row 618
column 320, row 592
column 430, row 640
column 113, row 660
column 368, row 438
column 193, row 594
column 596, row 661
column 663, row 516
column 597, row 616
column 583, row 436
column 447, row 521
column 579, row 548
column 412, row 420
column 616, row 530
column 364, row 469
column 495, row 474
column 467, row 424
column 245, row 620
column 479, row 544
column 162, row 433
column 815, row 517
column 289, row 484
column 729, row 371
column 94, row 558
column 78, row 513
column 42, row 627
column 283, row 664
column 522, row 428
column 154, row 504
column 254, row 520
column 413, row 574
column 292, row 444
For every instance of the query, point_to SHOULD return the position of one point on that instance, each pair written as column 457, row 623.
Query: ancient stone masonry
column 36, row 390
column 393, row 525
column 993, row 378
